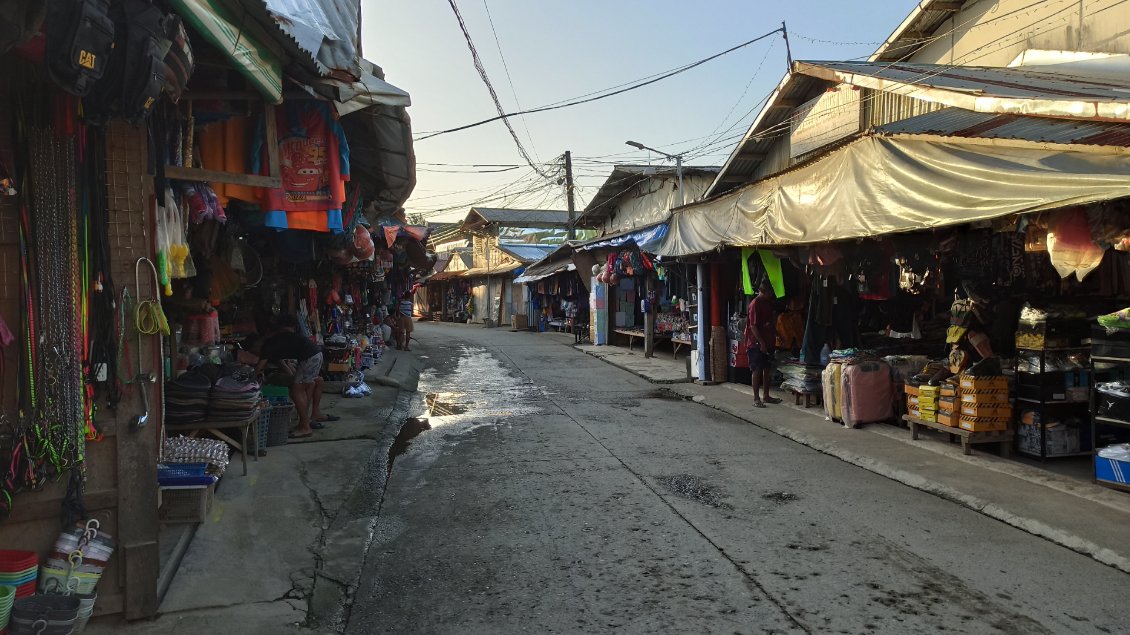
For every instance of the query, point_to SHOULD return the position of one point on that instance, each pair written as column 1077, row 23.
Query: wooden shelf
column 1112, row 421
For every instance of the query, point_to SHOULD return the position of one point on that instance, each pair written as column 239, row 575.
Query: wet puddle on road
column 410, row 430
column 468, row 388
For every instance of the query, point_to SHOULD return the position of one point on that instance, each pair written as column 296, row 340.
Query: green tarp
column 240, row 39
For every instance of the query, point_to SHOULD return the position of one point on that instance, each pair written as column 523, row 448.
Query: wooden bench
column 249, row 431
column 633, row 334
column 968, row 439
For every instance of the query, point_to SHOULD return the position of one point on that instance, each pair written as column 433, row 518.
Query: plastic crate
column 272, row 390
column 189, row 504
column 180, row 470
column 263, row 428
column 281, row 420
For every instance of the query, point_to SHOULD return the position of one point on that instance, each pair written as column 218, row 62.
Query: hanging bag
column 136, row 73
column 80, row 38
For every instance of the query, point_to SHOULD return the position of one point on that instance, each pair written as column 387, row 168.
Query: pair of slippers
column 761, row 404
column 317, row 424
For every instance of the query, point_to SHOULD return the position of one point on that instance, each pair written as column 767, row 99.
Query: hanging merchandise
column 314, row 166
column 1070, row 246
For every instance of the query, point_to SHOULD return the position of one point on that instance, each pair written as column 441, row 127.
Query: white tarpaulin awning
column 882, row 185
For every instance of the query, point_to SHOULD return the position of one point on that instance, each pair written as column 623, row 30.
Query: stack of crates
column 947, row 404
column 922, row 402
column 984, row 403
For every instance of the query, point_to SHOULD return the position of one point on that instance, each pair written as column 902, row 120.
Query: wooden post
column 649, row 317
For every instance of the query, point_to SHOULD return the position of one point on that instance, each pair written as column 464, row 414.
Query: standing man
column 305, row 391
column 760, row 338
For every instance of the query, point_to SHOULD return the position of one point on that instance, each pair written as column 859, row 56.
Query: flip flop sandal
column 328, row 418
column 317, row 425
column 758, row 404
column 773, row 400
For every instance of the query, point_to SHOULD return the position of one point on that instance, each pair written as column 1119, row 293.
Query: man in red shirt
column 760, row 338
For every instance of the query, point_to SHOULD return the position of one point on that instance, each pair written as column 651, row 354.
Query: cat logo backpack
column 80, row 39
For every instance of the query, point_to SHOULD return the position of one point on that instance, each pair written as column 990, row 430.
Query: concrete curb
column 987, row 508
column 637, row 373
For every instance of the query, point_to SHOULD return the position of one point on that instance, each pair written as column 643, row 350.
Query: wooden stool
column 810, row 398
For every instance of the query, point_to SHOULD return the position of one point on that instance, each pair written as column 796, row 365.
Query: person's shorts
column 759, row 360
column 308, row 369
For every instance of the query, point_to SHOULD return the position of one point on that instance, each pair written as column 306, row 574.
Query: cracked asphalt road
column 552, row 492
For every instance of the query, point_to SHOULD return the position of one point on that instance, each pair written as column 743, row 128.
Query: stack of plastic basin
column 18, row 569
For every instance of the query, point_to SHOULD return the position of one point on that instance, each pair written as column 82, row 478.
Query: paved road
column 550, row 492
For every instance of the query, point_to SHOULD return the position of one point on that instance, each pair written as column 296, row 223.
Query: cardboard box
column 910, row 390
column 983, row 383
column 947, row 390
column 948, row 418
column 976, row 424
column 984, row 398
column 929, row 391
column 925, row 416
column 982, row 411
column 947, row 403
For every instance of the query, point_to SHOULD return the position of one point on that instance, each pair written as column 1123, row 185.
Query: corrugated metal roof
column 918, row 28
column 326, row 30
column 955, row 122
column 982, row 81
column 526, row 253
column 481, row 216
column 771, row 124
column 625, row 177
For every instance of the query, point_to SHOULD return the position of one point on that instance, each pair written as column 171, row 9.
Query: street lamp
column 700, row 310
column 677, row 158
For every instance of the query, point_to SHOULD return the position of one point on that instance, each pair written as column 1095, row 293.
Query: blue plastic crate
column 181, row 470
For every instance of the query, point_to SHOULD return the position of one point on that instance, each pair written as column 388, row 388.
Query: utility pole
column 788, row 49
column 569, row 194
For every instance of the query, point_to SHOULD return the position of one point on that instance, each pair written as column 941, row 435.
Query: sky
column 556, row 51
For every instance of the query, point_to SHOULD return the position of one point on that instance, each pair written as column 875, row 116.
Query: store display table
column 968, row 439
column 676, row 342
column 248, row 431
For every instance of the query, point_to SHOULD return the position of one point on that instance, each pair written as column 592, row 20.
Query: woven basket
column 281, row 420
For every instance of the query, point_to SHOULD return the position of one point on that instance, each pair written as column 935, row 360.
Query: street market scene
column 444, row 316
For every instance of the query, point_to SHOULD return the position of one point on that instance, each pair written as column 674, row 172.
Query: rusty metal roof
column 955, row 122
column 480, row 217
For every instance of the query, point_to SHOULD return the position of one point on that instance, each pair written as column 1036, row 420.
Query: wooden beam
column 181, row 173
column 272, row 140
column 948, row 7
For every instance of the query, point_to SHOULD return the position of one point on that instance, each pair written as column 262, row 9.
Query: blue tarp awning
column 643, row 238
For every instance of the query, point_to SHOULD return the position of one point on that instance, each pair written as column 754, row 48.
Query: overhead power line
column 505, row 116
column 490, row 87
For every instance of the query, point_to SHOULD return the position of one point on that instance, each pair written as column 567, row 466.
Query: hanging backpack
column 80, row 39
column 136, row 73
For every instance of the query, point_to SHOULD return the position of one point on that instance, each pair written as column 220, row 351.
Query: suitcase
column 867, row 393
column 832, row 388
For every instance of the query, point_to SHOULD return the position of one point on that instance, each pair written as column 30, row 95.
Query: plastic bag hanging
column 1070, row 245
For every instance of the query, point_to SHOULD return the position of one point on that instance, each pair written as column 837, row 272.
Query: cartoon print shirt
column 313, row 157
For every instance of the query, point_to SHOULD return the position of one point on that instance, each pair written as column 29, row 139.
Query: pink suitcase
column 867, row 393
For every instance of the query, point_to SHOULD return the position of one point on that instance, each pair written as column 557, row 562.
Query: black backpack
column 136, row 74
column 80, row 38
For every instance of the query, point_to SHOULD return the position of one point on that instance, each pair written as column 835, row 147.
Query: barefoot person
column 760, row 338
column 305, row 391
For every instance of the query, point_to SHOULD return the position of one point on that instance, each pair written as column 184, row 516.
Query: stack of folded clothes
column 800, row 377
column 186, row 398
column 233, row 401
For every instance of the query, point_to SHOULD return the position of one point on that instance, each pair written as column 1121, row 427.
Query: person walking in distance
column 404, row 309
column 760, row 339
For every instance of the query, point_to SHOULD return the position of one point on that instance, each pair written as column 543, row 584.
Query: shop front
column 985, row 310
